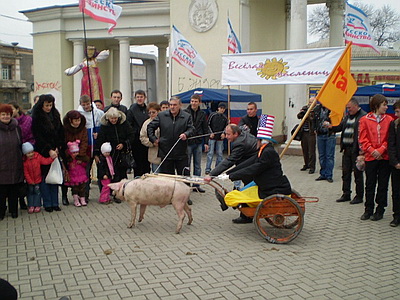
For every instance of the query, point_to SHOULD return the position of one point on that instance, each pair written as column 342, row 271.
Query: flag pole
column 170, row 68
column 88, row 74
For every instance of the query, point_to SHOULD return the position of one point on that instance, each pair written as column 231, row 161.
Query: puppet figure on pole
column 91, row 83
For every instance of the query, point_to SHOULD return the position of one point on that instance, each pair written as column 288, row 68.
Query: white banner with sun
column 308, row 66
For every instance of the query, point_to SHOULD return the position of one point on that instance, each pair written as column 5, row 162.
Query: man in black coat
column 116, row 98
column 136, row 116
column 250, row 121
column 174, row 124
column 244, row 146
column 394, row 161
column 195, row 145
column 350, row 148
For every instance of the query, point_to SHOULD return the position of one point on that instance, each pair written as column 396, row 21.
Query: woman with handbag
column 11, row 167
column 49, row 135
column 115, row 130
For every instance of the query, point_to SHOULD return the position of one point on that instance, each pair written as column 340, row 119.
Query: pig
column 154, row 191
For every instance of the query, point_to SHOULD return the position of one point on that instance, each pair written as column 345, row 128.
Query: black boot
column 64, row 198
column 22, row 203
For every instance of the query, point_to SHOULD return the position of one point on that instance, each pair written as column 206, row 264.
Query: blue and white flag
column 357, row 28
column 184, row 53
column 233, row 42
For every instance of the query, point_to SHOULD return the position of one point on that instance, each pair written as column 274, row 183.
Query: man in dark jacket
column 195, row 145
column 350, row 148
column 244, row 146
column 116, row 98
column 136, row 116
column 216, row 125
column 250, row 121
column 394, row 161
column 308, row 138
column 175, row 124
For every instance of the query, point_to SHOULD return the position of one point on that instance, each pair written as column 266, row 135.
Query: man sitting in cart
column 265, row 170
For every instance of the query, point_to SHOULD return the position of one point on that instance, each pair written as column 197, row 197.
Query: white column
column 161, row 67
column 336, row 16
column 296, row 94
column 124, row 72
column 78, row 58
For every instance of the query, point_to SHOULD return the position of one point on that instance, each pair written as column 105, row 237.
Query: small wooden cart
column 278, row 218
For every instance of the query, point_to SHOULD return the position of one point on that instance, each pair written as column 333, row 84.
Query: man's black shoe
column 377, row 217
column 344, row 198
column 304, row 168
column 48, row 209
column 116, row 200
column 330, row 180
column 395, row 222
column 198, row 190
column 189, row 202
column 320, row 178
column 356, row 200
column 366, row 216
column 56, row 208
column 242, row 220
column 311, row 171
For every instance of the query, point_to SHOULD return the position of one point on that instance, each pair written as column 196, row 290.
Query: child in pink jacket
column 77, row 174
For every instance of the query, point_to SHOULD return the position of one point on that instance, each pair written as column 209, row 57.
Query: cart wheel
column 279, row 219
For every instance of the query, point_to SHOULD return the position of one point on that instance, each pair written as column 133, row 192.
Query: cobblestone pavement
column 89, row 253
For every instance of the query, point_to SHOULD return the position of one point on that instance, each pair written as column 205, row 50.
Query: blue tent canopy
column 220, row 95
column 386, row 89
column 390, row 91
column 211, row 97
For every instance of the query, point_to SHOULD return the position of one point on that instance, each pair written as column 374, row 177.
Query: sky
column 14, row 26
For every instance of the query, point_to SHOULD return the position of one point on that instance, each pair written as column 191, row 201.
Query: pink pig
column 154, row 191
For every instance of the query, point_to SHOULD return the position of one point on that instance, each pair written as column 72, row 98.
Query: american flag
column 233, row 42
column 265, row 127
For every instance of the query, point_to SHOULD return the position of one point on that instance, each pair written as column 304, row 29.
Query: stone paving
column 89, row 253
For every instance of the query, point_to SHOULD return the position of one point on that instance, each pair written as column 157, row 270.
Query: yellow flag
column 338, row 88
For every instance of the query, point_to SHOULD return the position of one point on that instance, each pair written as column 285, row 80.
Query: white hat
column 26, row 148
column 106, row 147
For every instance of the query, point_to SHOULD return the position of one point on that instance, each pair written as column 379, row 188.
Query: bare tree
column 385, row 23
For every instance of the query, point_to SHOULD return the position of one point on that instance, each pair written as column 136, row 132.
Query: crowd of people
column 31, row 143
column 163, row 138
column 370, row 144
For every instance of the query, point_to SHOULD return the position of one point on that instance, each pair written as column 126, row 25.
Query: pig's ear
column 115, row 186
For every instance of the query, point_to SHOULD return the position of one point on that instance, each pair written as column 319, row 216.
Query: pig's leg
column 133, row 217
column 188, row 211
column 178, row 205
column 142, row 211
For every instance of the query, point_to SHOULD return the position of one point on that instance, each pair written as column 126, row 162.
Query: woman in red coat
column 373, row 140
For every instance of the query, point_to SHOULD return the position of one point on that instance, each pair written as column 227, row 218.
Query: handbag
column 55, row 175
column 127, row 159
column 299, row 134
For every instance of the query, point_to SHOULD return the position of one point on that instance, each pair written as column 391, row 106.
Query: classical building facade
column 261, row 25
column 16, row 80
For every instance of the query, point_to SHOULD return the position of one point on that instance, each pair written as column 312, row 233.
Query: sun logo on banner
column 272, row 69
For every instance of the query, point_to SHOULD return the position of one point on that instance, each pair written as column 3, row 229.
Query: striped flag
column 103, row 11
column 265, row 127
column 233, row 42
column 184, row 53
column 357, row 28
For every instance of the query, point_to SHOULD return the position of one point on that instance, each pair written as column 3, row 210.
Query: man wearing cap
column 265, row 169
column 216, row 125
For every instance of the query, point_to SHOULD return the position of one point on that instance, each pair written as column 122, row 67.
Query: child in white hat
column 105, row 172
column 33, row 175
